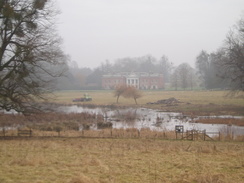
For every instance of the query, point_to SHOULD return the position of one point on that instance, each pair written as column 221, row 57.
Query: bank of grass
column 192, row 102
column 78, row 160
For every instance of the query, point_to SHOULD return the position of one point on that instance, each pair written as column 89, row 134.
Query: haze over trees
column 222, row 69
column 183, row 77
column 92, row 78
column 30, row 54
column 225, row 67
column 230, row 58
column 145, row 63
column 209, row 72
column 180, row 77
column 75, row 77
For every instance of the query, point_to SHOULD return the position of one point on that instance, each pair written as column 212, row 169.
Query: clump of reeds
column 102, row 125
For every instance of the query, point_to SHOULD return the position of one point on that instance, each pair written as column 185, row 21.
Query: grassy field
column 78, row 160
column 121, row 157
column 196, row 102
column 195, row 97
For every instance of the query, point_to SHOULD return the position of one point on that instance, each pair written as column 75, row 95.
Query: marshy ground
column 58, row 152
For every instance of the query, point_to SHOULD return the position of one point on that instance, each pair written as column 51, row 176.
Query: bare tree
column 146, row 63
column 175, row 79
column 30, row 54
column 165, row 67
column 203, row 67
column 185, row 75
column 119, row 90
column 231, row 57
column 132, row 92
column 106, row 67
column 192, row 78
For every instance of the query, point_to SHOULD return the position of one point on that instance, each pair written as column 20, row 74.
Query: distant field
column 78, row 160
column 195, row 97
column 192, row 101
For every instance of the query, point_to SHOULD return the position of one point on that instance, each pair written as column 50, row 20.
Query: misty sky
column 97, row 30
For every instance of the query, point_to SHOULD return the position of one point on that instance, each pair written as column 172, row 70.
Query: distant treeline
column 223, row 69
column 180, row 77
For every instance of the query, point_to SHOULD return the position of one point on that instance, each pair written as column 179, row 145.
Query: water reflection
column 153, row 119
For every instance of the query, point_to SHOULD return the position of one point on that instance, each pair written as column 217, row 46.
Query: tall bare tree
column 203, row 67
column 175, row 79
column 185, row 74
column 165, row 67
column 119, row 90
column 231, row 57
column 30, row 54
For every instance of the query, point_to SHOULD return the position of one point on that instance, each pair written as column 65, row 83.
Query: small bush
column 102, row 125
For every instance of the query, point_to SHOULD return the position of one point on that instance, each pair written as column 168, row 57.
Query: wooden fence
column 25, row 132
column 194, row 134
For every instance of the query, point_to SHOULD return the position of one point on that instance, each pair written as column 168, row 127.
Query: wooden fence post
column 82, row 133
column 204, row 135
column 4, row 131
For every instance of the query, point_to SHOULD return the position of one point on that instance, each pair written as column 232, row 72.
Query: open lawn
column 81, row 160
column 192, row 102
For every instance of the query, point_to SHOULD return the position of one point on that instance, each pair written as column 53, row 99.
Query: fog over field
column 125, row 46
column 95, row 31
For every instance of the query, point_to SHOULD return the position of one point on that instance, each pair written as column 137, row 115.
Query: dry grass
column 194, row 102
column 194, row 97
column 77, row 160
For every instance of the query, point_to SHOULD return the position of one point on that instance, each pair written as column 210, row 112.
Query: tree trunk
column 135, row 101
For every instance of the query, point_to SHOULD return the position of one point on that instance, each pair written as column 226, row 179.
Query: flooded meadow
column 152, row 119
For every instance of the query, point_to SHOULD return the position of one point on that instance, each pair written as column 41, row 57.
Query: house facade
column 140, row 80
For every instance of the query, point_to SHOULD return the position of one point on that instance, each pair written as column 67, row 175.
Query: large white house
column 140, row 80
